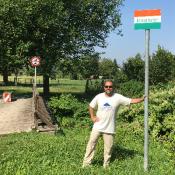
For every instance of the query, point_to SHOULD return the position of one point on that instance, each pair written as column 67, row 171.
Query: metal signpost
column 35, row 61
column 147, row 19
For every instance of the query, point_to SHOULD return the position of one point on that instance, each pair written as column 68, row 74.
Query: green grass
column 56, row 86
column 67, row 86
column 43, row 154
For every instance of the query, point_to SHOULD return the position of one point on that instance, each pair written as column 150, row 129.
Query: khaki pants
column 90, row 149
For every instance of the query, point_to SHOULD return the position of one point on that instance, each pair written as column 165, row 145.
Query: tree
column 68, row 67
column 134, row 68
column 162, row 66
column 83, row 67
column 120, row 77
column 116, row 66
column 60, row 29
column 12, row 31
column 89, row 65
column 107, row 68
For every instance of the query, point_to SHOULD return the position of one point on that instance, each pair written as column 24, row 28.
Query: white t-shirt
column 107, row 108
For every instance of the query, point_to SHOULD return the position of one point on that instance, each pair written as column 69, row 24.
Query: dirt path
column 16, row 116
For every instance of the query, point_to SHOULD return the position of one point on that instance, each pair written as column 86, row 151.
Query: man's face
column 108, row 88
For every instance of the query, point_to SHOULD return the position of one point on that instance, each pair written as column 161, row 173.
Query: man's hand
column 137, row 100
column 95, row 119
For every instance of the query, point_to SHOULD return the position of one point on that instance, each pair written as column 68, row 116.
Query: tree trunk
column 87, row 86
column 15, row 79
column 46, row 85
column 5, row 76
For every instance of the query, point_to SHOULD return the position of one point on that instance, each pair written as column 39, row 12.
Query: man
column 104, row 121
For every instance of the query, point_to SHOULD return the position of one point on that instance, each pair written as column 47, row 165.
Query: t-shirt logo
column 106, row 104
column 107, row 107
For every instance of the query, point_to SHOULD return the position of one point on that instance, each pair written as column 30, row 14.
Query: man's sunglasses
column 108, row 86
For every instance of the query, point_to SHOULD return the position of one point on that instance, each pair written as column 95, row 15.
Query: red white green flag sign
column 147, row 19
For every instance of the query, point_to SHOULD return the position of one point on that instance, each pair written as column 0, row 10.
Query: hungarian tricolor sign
column 147, row 19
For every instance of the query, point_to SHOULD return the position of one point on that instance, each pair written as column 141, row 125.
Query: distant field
column 24, row 85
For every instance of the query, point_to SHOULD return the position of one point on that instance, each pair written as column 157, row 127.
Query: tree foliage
column 12, row 33
column 162, row 66
column 89, row 65
column 108, row 68
column 134, row 68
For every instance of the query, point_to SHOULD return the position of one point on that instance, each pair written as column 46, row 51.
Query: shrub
column 161, row 115
column 69, row 111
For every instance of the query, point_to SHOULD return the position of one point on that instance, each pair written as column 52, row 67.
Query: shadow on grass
column 119, row 153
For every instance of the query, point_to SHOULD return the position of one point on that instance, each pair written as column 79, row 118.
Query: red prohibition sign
column 35, row 61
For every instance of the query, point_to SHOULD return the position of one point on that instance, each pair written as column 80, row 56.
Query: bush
column 69, row 111
column 161, row 115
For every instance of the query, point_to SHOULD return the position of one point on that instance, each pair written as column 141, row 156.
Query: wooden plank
column 44, row 119
column 40, row 129
column 46, row 115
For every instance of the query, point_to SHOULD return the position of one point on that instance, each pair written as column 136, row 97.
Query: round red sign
column 35, row 61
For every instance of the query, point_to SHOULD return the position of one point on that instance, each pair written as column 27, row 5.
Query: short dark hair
column 108, row 81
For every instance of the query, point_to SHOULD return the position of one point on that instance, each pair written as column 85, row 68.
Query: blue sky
column 133, row 41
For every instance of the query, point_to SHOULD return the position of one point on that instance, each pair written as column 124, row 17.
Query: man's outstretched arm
column 137, row 100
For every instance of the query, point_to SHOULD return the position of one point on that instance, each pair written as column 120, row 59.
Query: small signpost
column 35, row 61
column 147, row 19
